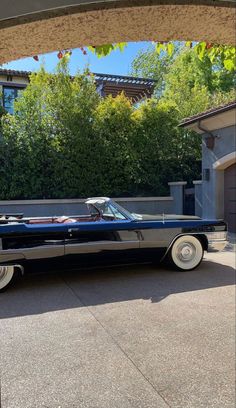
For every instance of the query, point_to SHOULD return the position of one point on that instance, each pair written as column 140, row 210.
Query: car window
column 118, row 215
column 109, row 211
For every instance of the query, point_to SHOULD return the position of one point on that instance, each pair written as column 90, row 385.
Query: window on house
column 9, row 95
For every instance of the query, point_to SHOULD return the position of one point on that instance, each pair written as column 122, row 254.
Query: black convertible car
column 107, row 235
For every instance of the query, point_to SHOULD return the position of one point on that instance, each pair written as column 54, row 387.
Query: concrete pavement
column 128, row 337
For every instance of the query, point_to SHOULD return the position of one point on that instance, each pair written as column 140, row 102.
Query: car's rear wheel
column 6, row 276
column 186, row 253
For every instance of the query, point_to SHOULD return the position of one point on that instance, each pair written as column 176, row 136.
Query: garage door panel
column 230, row 197
column 231, row 194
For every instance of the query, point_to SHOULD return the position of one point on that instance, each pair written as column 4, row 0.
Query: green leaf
column 170, row 48
column 106, row 49
column 101, row 50
column 212, row 54
column 159, row 47
column 188, row 44
column 121, row 46
column 200, row 49
column 229, row 64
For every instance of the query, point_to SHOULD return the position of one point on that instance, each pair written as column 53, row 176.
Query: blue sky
column 117, row 62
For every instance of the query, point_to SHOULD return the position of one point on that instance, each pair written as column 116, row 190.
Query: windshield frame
column 99, row 200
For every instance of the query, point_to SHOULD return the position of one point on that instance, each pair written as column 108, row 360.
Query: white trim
column 32, row 202
column 177, row 183
column 225, row 161
column 137, row 199
column 197, row 182
column 80, row 201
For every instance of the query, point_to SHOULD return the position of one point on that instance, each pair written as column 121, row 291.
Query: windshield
column 108, row 210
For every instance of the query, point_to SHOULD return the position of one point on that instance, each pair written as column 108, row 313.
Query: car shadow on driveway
column 47, row 292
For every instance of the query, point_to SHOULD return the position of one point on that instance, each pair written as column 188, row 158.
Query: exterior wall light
column 210, row 142
column 210, row 138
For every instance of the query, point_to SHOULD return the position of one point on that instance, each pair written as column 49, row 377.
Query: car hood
column 160, row 217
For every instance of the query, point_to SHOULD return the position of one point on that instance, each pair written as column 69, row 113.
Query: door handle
column 71, row 230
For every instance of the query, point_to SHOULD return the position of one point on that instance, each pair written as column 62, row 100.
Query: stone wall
column 172, row 204
column 40, row 208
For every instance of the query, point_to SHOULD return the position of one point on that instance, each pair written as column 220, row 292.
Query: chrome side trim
column 37, row 252
column 99, row 246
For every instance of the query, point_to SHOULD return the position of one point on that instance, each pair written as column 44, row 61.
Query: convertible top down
column 108, row 234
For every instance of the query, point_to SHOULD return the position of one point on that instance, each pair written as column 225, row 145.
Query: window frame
column 16, row 88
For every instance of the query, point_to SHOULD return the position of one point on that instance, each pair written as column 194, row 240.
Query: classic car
column 107, row 235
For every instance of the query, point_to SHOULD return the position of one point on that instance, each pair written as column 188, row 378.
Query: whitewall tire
column 186, row 253
column 6, row 276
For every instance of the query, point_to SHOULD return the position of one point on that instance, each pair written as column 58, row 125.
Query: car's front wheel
column 6, row 276
column 186, row 253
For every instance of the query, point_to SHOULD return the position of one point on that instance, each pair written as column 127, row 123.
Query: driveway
column 131, row 337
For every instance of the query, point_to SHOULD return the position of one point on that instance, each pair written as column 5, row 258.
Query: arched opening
column 225, row 161
column 33, row 28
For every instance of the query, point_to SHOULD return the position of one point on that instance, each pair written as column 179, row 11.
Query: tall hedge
column 64, row 141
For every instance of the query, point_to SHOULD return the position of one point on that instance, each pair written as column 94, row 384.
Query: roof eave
column 197, row 118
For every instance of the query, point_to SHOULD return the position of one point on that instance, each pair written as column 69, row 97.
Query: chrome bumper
column 216, row 241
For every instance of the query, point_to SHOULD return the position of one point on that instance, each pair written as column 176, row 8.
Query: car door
column 100, row 243
column 36, row 247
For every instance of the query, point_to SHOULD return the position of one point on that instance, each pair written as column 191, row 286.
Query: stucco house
column 217, row 190
column 136, row 89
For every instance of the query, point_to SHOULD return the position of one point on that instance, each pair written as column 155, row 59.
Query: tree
column 190, row 86
column 155, row 126
column 187, row 84
column 149, row 64
column 226, row 54
column 48, row 135
column 162, row 153
column 65, row 141
column 114, row 129
column 185, row 78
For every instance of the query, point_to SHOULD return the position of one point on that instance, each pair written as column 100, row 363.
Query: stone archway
column 225, row 161
column 32, row 28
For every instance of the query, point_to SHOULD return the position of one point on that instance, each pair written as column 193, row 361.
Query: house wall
column 213, row 189
column 198, row 197
column 16, row 80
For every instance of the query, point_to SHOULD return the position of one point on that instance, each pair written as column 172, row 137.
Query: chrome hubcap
column 186, row 252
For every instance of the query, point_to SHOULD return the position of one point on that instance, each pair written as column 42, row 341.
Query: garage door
column 230, row 197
